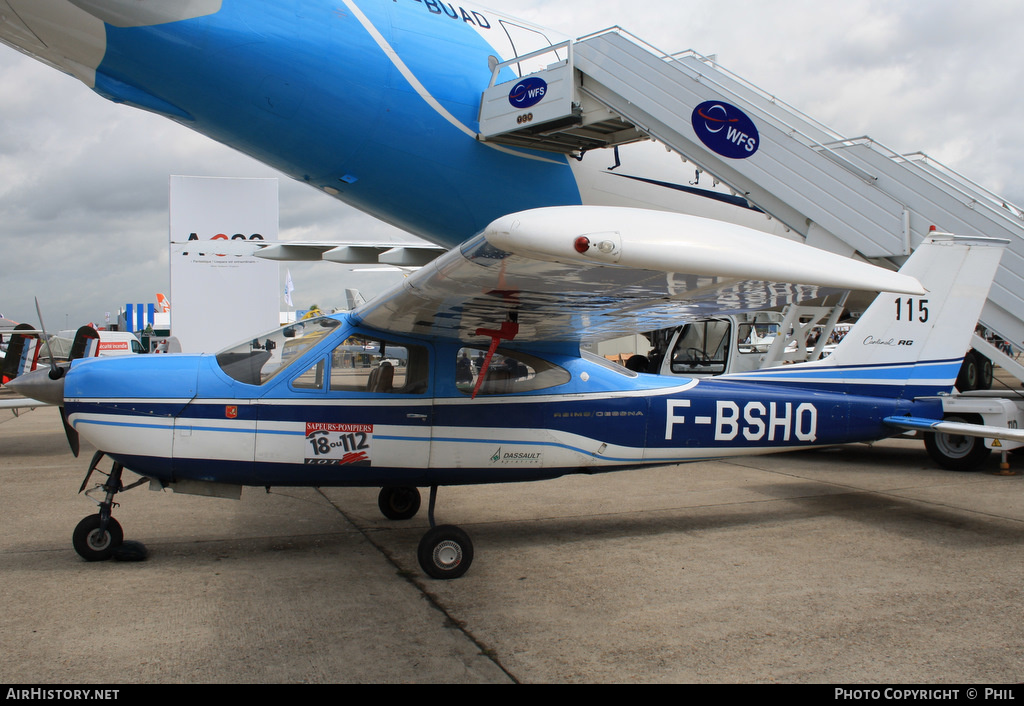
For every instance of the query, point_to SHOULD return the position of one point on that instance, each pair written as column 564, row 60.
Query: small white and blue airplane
column 471, row 370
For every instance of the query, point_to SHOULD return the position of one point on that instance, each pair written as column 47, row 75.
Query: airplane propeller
column 55, row 372
column 70, row 433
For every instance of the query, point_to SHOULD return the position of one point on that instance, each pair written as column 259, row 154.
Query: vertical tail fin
column 354, row 298
column 22, row 353
column 25, row 349
column 933, row 330
column 905, row 346
column 86, row 343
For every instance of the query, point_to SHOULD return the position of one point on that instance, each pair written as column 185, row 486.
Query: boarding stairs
column 852, row 196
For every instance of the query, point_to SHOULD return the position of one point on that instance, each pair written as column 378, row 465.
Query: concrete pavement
column 851, row 565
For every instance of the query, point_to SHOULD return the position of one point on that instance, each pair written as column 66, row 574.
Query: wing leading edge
column 581, row 273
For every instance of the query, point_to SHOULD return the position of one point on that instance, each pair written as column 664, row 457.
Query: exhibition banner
column 222, row 297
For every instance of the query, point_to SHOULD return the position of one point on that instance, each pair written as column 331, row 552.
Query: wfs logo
column 725, row 129
column 528, row 92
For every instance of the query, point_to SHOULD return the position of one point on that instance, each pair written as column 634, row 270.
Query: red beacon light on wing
column 583, row 244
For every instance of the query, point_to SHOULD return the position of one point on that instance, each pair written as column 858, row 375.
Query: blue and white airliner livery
column 374, row 102
column 471, row 370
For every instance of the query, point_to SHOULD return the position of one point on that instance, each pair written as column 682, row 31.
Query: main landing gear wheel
column 92, row 542
column 401, row 503
column 445, row 552
column 956, row 452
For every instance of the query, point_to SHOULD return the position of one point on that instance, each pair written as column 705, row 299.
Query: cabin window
column 756, row 337
column 312, row 379
column 366, row 364
column 510, row 372
column 703, row 347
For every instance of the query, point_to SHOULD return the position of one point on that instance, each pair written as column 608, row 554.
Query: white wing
column 592, row 273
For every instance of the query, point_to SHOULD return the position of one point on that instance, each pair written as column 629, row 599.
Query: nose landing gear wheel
column 95, row 544
column 445, row 552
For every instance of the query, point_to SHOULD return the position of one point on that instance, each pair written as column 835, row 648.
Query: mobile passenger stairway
column 851, row 196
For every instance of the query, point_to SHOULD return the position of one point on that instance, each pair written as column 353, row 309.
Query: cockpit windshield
column 258, row 360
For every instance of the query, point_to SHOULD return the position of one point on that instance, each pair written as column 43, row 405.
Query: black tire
column 967, row 380
column 93, row 545
column 445, row 552
column 401, row 503
column 985, row 374
column 956, row 452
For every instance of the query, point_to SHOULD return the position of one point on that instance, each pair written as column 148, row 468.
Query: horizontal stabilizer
column 963, row 428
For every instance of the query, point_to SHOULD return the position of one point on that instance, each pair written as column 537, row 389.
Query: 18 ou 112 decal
column 338, row 444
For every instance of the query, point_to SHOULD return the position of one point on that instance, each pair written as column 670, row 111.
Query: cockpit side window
column 703, row 346
column 366, row 364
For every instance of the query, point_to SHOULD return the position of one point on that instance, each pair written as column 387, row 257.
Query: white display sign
column 220, row 299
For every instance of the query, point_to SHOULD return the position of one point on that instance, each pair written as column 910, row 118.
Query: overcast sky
column 83, row 193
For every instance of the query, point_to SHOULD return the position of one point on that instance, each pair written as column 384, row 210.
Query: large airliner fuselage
column 374, row 102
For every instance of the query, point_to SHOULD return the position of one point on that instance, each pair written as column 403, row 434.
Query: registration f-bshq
column 471, row 370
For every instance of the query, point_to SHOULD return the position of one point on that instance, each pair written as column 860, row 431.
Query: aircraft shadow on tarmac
column 909, row 519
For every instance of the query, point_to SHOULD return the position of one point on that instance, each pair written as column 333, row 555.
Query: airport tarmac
column 852, row 565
